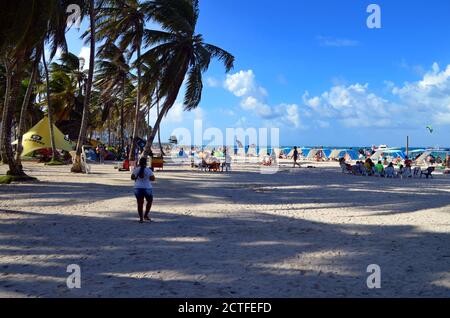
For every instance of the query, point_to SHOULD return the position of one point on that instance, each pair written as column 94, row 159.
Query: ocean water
column 327, row 150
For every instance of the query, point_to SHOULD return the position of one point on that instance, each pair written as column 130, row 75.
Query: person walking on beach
column 295, row 156
column 143, row 190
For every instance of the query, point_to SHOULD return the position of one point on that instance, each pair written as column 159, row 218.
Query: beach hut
column 416, row 153
column 303, row 152
column 327, row 152
column 348, row 154
column 436, row 155
column 389, row 154
column 316, row 153
column 290, row 153
column 38, row 138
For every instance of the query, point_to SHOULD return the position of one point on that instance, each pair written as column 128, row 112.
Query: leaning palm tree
column 123, row 21
column 177, row 53
column 77, row 164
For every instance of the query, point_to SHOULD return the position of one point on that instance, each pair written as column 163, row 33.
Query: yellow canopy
column 38, row 137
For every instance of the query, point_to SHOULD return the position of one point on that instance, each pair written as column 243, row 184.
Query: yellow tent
column 38, row 137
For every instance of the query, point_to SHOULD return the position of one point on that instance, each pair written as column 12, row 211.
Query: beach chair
column 158, row 162
column 428, row 173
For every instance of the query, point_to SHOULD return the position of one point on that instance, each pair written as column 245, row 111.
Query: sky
column 313, row 69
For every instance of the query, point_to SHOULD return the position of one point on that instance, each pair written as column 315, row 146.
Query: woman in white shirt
column 143, row 189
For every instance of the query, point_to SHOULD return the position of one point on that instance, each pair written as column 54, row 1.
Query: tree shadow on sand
column 183, row 256
column 242, row 254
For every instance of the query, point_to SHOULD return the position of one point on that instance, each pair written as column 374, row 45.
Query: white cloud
column 85, row 54
column 423, row 102
column 212, row 82
column 352, row 105
column 243, row 84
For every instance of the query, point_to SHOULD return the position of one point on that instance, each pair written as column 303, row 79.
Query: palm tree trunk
column 169, row 102
column 138, row 106
column 24, row 109
column 77, row 166
column 122, row 131
column 159, row 130
column 12, row 91
column 50, row 111
column 5, row 130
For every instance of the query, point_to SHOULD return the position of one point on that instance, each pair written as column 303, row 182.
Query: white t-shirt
column 143, row 183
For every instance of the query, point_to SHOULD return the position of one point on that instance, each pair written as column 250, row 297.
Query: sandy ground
column 298, row 233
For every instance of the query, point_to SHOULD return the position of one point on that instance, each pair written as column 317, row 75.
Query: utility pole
column 407, row 146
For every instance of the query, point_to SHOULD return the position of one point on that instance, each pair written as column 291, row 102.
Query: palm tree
column 178, row 52
column 71, row 66
column 112, row 77
column 123, row 21
column 77, row 165
column 49, row 107
column 24, row 26
column 25, row 104
column 66, row 83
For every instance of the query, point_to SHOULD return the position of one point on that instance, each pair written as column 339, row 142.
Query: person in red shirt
column 408, row 162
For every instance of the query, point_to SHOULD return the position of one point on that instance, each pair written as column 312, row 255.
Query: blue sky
column 315, row 70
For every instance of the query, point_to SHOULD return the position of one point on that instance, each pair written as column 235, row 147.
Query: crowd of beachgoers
column 375, row 162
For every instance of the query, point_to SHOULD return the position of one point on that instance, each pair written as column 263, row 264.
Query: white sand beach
column 298, row 233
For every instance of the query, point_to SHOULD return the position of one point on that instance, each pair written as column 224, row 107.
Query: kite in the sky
column 430, row 129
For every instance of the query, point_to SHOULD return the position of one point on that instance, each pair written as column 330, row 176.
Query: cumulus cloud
column 243, row 83
column 353, row 105
column 411, row 104
column 422, row 102
column 253, row 99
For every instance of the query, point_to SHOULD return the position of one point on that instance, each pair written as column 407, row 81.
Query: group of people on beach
column 369, row 168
